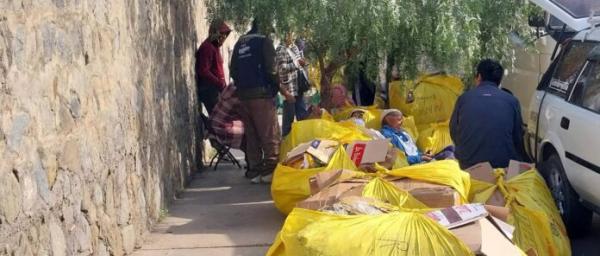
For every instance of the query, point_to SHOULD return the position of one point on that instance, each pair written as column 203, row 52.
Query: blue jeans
column 290, row 111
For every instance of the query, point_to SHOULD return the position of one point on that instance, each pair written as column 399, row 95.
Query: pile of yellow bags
column 405, row 230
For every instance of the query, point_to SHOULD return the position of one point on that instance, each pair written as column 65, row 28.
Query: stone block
column 20, row 123
column 69, row 158
column 10, row 199
column 57, row 239
column 50, row 164
column 128, row 234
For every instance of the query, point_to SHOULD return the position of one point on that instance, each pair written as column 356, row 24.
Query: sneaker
column 266, row 179
column 256, row 180
column 251, row 174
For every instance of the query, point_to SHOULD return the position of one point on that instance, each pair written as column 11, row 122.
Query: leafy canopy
column 453, row 34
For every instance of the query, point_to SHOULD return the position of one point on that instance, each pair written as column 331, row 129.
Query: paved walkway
column 221, row 213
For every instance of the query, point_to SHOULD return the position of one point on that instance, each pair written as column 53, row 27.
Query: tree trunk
column 327, row 73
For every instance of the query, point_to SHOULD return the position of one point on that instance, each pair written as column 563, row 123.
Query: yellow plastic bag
column 290, row 186
column 434, row 97
column 435, row 138
column 307, row 232
column 538, row 225
column 308, row 130
column 386, row 192
column 445, row 172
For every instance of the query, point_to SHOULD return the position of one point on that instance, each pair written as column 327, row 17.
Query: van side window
column 587, row 92
column 569, row 68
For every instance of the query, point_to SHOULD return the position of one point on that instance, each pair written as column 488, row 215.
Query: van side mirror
column 594, row 54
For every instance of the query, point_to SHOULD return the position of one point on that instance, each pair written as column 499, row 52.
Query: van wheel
column 576, row 217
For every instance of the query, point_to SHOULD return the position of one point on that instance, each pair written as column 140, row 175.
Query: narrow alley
column 220, row 213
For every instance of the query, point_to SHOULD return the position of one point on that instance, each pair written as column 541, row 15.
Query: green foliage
column 453, row 34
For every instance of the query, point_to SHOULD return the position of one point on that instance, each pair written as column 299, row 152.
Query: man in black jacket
column 486, row 125
column 255, row 76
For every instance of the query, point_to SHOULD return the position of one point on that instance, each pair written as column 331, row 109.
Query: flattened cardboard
column 519, row 167
column 332, row 195
column 324, row 179
column 499, row 212
column 320, row 149
column 483, row 238
column 432, row 195
column 458, row 215
column 297, row 152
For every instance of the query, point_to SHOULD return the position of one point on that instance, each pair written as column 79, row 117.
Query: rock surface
column 98, row 120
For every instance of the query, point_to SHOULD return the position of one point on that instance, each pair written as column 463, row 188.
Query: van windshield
column 579, row 8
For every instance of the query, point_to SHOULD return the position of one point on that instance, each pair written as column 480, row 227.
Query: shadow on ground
column 221, row 213
column 590, row 244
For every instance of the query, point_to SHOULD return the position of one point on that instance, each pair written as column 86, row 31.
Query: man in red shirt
column 210, row 77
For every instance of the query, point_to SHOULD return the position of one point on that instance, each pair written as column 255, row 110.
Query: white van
column 563, row 130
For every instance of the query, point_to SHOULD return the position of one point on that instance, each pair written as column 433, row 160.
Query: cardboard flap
column 322, row 149
column 331, row 195
column 297, row 151
column 323, row 180
column 498, row 212
column 515, row 168
column 368, row 152
column 458, row 215
column 483, row 238
column 494, row 243
column 482, row 172
column 506, row 229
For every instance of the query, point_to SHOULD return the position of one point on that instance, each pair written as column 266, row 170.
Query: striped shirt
column 286, row 69
column 225, row 120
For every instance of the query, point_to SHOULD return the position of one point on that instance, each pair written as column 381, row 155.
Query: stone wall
column 98, row 127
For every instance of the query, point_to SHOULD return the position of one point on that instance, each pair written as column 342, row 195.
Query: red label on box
column 357, row 153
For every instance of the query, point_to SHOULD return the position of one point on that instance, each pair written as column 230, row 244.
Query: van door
column 581, row 130
column 574, row 13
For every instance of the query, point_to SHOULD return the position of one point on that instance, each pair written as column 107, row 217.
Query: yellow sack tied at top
column 405, row 233
column 434, row 137
column 290, row 185
column 538, row 225
column 433, row 96
column 446, row 172
column 308, row 130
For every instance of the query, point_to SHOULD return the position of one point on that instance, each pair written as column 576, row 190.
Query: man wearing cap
column 357, row 117
column 210, row 77
column 254, row 71
column 391, row 122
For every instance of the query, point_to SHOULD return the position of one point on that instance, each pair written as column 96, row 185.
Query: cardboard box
column 332, row 194
column 519, row 167
column 327, row 192
column 368, row 152
column 484, row 238
column 323, row 180
column 432, row 195
column 322, row 150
